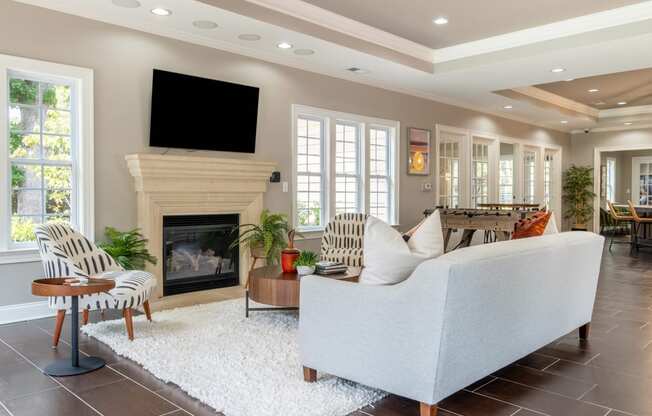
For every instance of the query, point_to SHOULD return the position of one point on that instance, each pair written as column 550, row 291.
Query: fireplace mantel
column 187, row 185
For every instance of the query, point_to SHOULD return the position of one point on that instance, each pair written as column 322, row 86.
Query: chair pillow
column 532, row 227
column 551, row 227
column 388, row 259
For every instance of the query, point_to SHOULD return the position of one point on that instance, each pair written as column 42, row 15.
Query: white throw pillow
column 388, row 259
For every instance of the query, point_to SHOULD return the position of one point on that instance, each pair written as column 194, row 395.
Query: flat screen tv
column 198, row 113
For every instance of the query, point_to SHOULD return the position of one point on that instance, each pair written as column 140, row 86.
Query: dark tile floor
column 611, row 374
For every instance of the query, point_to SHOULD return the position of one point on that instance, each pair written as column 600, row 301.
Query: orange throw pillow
column 532, row 227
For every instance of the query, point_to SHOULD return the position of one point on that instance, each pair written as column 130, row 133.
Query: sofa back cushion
column 388, row 259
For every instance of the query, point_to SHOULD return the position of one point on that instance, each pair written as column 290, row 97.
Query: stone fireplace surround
column 190, row 185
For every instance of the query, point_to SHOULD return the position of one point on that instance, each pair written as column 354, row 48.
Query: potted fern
column 305, row 262
column 128, row 248
column 266, row 239
column 578, row 195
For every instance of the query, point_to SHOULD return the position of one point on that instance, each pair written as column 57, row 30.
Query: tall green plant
column 128, row 248
column 578, row 194
column 270, row 235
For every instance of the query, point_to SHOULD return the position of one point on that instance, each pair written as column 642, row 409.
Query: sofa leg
column 584, row 331
column 61, row 316
column 428, row 409
column 148, row 311
column 309, row 375
column 129, row 323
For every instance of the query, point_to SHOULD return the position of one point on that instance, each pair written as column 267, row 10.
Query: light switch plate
column 285, row 187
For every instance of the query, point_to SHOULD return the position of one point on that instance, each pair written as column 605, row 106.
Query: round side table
column 59, row 287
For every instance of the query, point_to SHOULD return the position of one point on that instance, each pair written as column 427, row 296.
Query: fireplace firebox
column 196, row 253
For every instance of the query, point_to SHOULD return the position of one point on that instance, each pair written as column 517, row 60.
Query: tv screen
column 198, row 113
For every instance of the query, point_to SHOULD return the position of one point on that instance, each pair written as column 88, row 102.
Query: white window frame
column 82, row 116
column 535, row 180
column 611, row 180
column 331, row 118
column 464, row 146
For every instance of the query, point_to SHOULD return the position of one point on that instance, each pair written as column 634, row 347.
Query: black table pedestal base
column 64, row 368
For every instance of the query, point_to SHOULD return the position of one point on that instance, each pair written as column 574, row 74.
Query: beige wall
column 123, row 60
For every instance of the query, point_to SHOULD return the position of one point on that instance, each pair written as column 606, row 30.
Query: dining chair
column 638, row 221
column 620, row 218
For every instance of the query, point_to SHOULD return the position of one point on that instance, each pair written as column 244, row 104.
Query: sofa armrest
column 382, row 336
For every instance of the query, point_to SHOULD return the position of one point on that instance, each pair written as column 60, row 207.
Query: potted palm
column 578, row 195
column 266, row 239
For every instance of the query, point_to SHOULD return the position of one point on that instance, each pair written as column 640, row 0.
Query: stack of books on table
column 330, row 267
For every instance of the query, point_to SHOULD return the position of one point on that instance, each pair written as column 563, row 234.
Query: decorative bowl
column 305, row 270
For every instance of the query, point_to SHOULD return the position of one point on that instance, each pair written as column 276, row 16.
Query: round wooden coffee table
column 58, row 287
column 270, row 286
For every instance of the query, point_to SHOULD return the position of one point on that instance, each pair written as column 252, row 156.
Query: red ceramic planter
column 288, row 257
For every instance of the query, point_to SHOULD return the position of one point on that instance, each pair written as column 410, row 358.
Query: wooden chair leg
column 129, row 323
column 428, row 409
column 61, row 316
column 584, row 331
column 148, row 311
column 309, row 375
column 84, row 316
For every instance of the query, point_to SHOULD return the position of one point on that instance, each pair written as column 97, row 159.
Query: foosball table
column 497, row 224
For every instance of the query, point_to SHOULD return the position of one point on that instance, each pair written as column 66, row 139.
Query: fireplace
column 196, row 253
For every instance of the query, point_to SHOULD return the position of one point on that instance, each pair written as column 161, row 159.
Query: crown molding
column 565, row 28
column 558, row 101
column 325, row 18
column 626, row 111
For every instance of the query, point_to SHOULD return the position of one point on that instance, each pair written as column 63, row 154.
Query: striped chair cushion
column 67, row 253
column 343, row 239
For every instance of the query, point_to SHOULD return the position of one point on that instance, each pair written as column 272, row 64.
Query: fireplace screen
column 197, row 254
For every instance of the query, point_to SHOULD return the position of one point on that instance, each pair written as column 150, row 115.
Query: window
column 480, row 174
column 548, row 175
column 611, row 179
column 449, row 174
column 344, row 163
column 529, row 176
column 380, row 178
column 310, row 172
column 506, row 174
column 347, row 168
column 46, row 150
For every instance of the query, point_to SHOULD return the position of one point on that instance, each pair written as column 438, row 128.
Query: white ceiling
column 465, row 75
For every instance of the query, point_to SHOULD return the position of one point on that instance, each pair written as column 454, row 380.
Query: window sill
column 30, row 255
column 309, row 234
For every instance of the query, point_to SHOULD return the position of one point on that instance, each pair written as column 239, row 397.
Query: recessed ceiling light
column 564, row 122
column 249, row 37
column 284, row 45
column 592, row 90
column 622, row 103
column 131, row 4
column 357, row 70
column 599, row 103
column 508, row 107
column 441, row 20
column 204, row 24
column 629, row 123
column 304, row 52
column 569, row 79
column 557, row 70
column 159, row 11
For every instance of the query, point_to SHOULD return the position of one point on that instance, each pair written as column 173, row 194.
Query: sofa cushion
column 388, row 259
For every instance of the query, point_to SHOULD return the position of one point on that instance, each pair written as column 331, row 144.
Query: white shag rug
column 238, row 366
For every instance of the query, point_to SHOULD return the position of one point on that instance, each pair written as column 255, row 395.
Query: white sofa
column 455, row 320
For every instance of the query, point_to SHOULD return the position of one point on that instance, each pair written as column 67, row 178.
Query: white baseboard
column 25, row 312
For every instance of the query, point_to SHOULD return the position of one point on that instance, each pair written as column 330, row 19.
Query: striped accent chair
column 342, row 239
column 67, row 253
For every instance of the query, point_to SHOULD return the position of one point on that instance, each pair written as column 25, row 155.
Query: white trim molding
column 81, row 80
column 25, row 312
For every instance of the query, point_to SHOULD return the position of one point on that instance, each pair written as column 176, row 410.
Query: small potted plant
column 266, row 239
column 128, row 248
column 305, row 262
column 289, row 254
